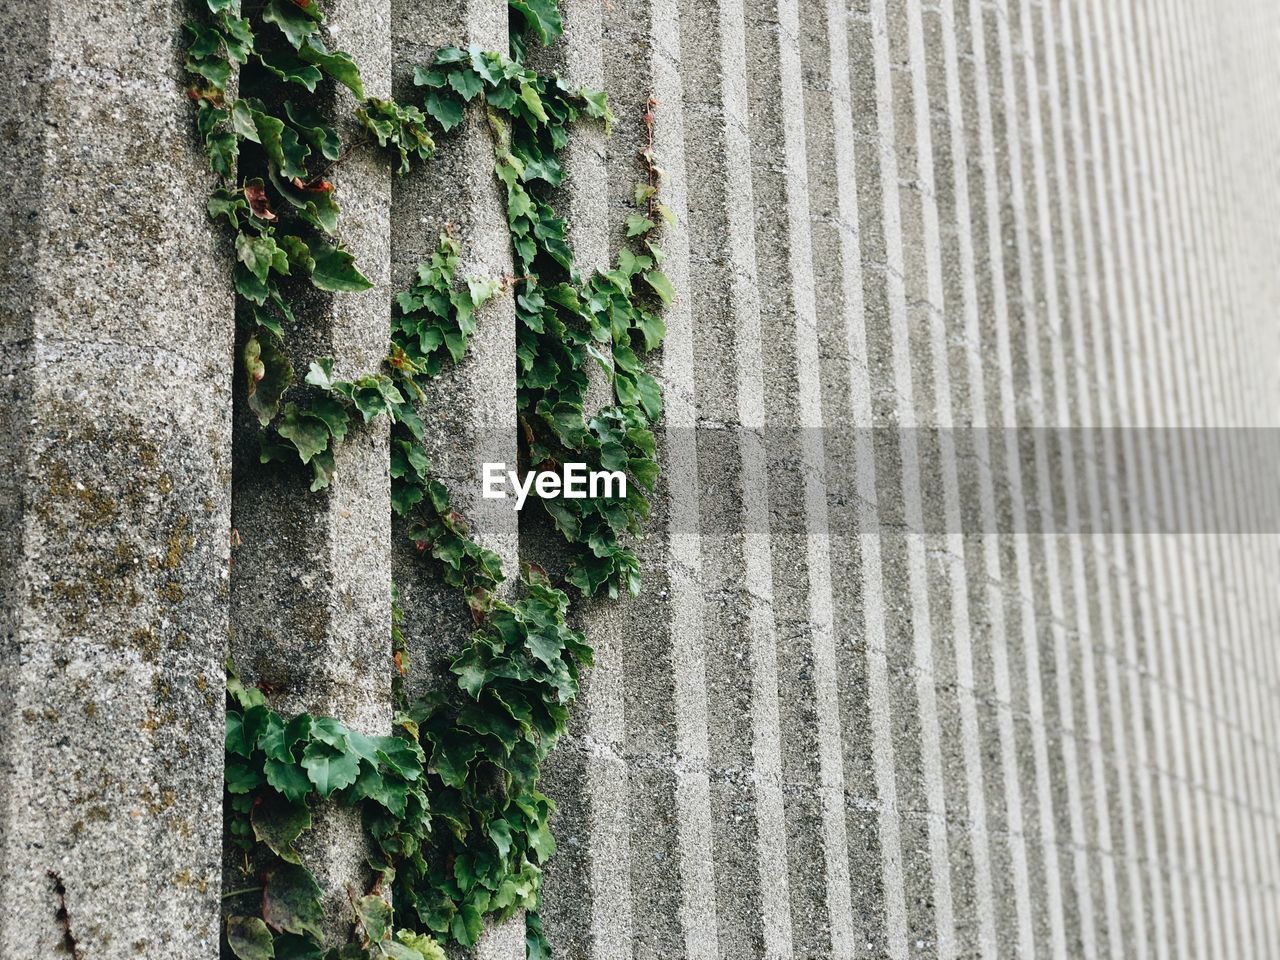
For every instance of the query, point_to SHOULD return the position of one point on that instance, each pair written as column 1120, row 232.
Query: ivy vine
column 449, row 798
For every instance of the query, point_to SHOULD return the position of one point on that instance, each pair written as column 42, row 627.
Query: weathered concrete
column 115, row 460
column 916, row 691
column 311, row 577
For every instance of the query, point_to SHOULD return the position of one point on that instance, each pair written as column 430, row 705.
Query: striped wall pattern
column 838, row 723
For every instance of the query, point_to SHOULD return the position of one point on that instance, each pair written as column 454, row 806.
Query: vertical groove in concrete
column 672, row 871
column 817, row 856
column 693, row 796
column 950, row 301
column 1073, row 409
column 1255, row 777
column 1131, row 378
column 869, row 806
column 669, row 872
column 910, row 637
column 115, row 424
column 1159, row 380
column 1025, row 508
column 989, row 587
column 1187, row 316
column 1064, row 603
column 1121, row 466
column 1112, row 779
column 1169, row 291
column 1244, row 561
column 471, row 406
column 1210, row 549
column 311, row 580
column 739, row 629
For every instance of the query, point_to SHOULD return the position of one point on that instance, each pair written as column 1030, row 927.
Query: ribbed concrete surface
column 849, row 724
column 911, row 691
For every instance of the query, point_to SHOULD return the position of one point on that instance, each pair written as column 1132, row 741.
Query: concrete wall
column 878, row 699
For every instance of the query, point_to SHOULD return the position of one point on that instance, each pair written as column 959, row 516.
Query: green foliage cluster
column 274, row 767
column 285, row 217
column 450, row 801
column 566, row 323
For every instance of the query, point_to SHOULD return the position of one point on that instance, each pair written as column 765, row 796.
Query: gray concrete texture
column 862, row 734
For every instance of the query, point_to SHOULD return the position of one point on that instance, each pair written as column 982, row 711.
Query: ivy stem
column 240, row 892
column 323, row 174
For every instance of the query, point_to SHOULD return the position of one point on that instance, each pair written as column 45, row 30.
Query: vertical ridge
column 740, row 632
column 813, row 777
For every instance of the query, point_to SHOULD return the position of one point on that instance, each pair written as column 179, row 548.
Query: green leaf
column 335, row 269
column 281, row 145
column 320, row 373
column 280, row 738
column 661, row 285
column 500, row 834
column 214, row 69
column 278, row 822
column 205, row 41
column 404, row 497
column 309, row 435
column 426, row 946
column 450, row 760
column 466, row 82
column 466, row 925
column 322, row 470
column 291, row 901
column 249, row 939
column 239, row 777
column 291, row 68
column 546, row 646
column 542, row 16
column 423, row 77
column 650, row 395
column 294, row 22
column 482, row 289
column 334, row 414
column 292, row 947
column 374, row 914
column 340, row 66
column 237, row 36
column 288, row 779
column 315, row 130
column 536, row 946
column 270, row 373
column 330, row 731
column 223, row 148
column 445, row 109
column 230, row 204
column 260, row 255
column 597, row 104
column 638, row 225
column 328, row 769
column 529, row 95
column 403, row 756
column 247, row 697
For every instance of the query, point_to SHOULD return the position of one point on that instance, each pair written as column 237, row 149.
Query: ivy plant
column 457, row 825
